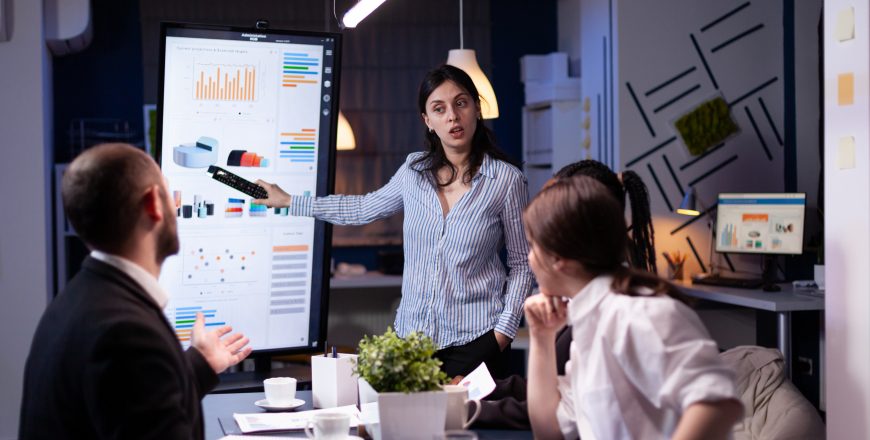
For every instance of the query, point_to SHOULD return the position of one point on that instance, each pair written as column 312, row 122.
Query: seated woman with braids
column 506, row 407
column 641, row 365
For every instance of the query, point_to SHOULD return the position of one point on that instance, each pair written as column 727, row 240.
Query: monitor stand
column 768, row 274
column 252, row 381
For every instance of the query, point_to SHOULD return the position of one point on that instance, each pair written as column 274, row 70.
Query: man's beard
column 167, row 239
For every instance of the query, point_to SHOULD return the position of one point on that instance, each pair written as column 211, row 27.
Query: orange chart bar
column 234, row 85
column 291, row 248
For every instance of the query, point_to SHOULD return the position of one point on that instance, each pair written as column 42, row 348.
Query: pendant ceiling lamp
column 466, row 60
column 344, row 139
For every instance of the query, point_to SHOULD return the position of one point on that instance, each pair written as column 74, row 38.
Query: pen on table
column 325, row 349
column 334, row 353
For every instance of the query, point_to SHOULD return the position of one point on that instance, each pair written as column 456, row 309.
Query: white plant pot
column 819, row 275
column 410, row 416
column 367, row 394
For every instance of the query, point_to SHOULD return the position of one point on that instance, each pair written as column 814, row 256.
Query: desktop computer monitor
column 261, row 104
column 769, row 224
column 762, row 223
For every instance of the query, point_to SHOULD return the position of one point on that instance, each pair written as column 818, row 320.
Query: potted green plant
column 403, row 376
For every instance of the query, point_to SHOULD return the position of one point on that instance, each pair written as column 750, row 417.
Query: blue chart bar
column 184, row 318
column 299, row 146
column 299, row 69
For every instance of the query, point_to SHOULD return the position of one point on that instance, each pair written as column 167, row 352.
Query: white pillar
column 25, row 242
column 847, row 224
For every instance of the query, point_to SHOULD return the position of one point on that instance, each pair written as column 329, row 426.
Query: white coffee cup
column 280, row 391
column 457, row 407
column 328, row 426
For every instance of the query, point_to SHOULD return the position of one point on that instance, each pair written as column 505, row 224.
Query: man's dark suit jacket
column 105, row 364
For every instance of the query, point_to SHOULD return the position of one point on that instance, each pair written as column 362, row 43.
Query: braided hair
column 641, row 249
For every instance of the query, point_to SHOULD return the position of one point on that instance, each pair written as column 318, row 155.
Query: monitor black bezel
column 325, row 181
column 803, row 219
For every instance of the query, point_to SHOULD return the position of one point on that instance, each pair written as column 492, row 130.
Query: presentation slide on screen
column 763, row 223
column 256, row 109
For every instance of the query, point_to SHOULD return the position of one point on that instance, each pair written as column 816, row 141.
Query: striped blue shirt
column 455, row 287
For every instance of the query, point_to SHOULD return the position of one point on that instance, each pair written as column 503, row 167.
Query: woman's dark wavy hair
column 642, row 249
column 482, row 143
column 578, row 218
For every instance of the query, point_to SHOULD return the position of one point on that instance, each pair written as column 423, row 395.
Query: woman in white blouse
column 642, row 365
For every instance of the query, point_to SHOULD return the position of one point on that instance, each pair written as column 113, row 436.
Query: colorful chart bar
column 299, row 146
column 291, row 248
column 299, row 69
column 234, row 84
column 185, row 317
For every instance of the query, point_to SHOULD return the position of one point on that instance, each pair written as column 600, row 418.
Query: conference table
column 218, row 412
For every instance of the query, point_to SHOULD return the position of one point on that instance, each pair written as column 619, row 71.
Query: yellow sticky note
column 846, row 88
column 846, row 153
column 844, row 30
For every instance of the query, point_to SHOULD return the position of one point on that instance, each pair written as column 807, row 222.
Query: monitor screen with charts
column 760, row 223
column 261, row 104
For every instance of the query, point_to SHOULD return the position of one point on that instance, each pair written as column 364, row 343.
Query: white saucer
column 263, row 403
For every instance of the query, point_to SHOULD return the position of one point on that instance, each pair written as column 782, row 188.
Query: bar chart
column 183, row 318
column 290, row 275
column 300, row 70
column 225, row 82
column 299, row 146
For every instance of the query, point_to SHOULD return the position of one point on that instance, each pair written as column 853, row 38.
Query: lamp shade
column 689, row 204
column 466, row 60
column 345, row 138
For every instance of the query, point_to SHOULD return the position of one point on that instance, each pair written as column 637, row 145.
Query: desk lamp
column 689, row 207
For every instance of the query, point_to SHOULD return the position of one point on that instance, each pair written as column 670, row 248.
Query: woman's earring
column 431, row 130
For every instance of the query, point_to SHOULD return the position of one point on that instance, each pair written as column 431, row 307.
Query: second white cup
column 457, row 407
column 280, row 391
column 328, row 426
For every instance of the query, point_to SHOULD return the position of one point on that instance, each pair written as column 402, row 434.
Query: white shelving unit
column 552, row 138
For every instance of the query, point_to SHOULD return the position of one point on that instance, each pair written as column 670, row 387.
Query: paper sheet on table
column 265, row 422
column 479, row 383
column 245, row 437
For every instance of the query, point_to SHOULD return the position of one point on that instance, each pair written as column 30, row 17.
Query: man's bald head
column 102, row 193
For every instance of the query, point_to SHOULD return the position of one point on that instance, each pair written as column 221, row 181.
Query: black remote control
column 236, row 182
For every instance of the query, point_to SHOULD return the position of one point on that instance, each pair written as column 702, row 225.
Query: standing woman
column 463, row 203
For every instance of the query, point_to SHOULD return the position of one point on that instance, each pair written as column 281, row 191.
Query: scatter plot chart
column 239, row 260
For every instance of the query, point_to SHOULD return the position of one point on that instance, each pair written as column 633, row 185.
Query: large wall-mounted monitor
column 262, row 104
column 760, row 223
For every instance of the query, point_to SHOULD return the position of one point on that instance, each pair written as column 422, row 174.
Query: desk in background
column 782, row 303
column 361, row 305
column 222, row 406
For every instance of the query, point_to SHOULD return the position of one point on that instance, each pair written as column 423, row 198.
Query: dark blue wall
column 105, row 80
column 519, row 27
